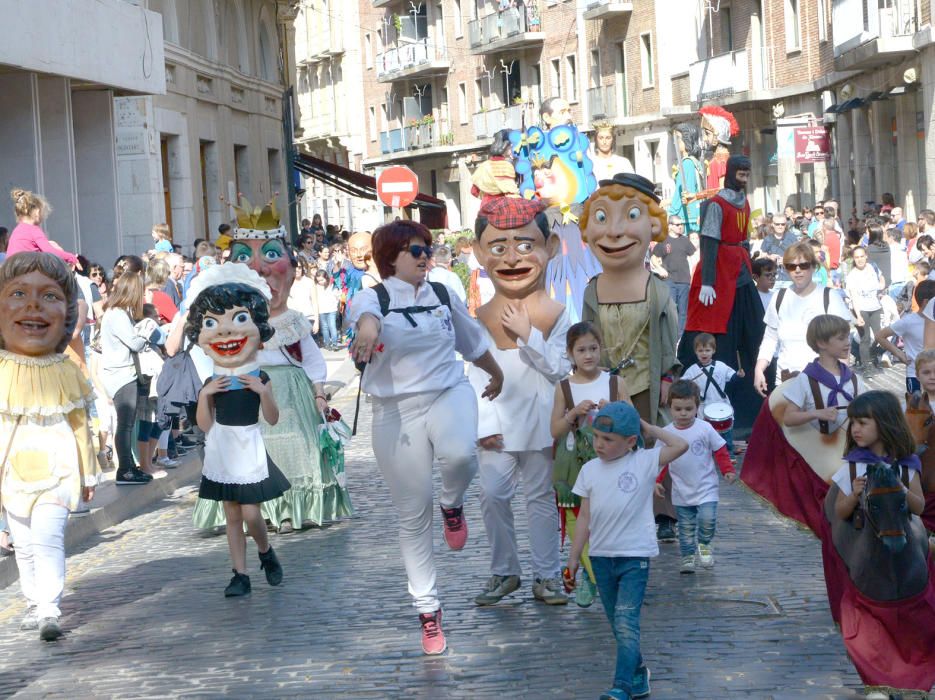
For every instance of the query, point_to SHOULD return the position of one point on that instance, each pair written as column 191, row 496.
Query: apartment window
column 727, row 34
column 535, row 82
column 822, row 21
column 462, row 103
column 373, row 123
column 478, row 96
column 793, row 26
column 555, row 78
column 571, row 66
column 595, row 71
column 368, row 50
column 459, row 20
column 646, row 60
column 384, row 117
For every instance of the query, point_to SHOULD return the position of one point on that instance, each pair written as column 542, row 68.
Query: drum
column 720, row 415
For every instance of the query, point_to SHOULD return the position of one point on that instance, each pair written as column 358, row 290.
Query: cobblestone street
column 145, row 617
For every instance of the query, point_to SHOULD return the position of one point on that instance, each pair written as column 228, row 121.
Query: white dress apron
column 235, row 454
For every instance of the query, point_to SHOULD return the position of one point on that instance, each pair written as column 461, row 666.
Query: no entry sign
column 397, row 186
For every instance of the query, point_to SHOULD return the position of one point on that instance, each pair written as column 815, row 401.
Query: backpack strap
column 613, row 388
column 441, row 291
column 823, row 427
column 566, row 394
column 779, row 295
column 383, row 296
column 827, row 298
column 853, row 468
column 905, row 475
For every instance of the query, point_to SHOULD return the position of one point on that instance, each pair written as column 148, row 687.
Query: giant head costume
column 620, row 219
column 260, row 242
column 514, row 245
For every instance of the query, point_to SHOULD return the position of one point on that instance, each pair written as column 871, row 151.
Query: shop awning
column 433, row 212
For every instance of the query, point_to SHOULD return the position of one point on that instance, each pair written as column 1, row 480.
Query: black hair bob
column 225, row 297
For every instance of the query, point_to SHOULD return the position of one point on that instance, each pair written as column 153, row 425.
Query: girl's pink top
column 28, row 238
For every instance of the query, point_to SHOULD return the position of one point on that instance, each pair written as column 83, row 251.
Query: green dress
column 319, row 491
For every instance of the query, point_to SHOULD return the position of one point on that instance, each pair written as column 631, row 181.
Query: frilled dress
column 318, row 494
column 51, row 455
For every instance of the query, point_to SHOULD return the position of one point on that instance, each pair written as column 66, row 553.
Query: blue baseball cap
column 620, row 418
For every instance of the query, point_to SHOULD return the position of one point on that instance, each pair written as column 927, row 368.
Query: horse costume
column 880, row 562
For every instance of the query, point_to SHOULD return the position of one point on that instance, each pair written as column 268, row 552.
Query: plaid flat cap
column 510, row 212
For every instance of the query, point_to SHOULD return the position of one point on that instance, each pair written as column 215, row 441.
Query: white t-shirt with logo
column 695, row 473
column 721, row 374
column 621, row 501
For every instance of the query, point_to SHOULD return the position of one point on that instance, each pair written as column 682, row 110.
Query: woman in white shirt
column 789, row 312
column 864, row 285
column 302, row 294
column 423, row 406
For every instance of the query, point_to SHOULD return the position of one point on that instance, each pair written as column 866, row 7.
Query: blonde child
column 712, row 378
column 616, row 519
column 577, row 400
column 160, row 235
column 819, row 395
column 694, row 476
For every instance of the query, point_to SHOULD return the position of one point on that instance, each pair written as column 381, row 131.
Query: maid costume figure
column 229, row 319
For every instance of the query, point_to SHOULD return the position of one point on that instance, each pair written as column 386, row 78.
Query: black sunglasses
column 417, row 251
column 792, row 267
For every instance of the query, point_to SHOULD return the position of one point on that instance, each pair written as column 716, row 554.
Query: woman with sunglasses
column 789, row 313
column 424, row 409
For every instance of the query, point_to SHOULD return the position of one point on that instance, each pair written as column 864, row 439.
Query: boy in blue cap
column 616, row 491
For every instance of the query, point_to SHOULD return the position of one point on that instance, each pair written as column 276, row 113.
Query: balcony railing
column 408, row 59
column 718, row 76
column 850, row 29
column 607, row 9
column 486, row 124
column 414, row 137
column 602, row 102
column 510, row 28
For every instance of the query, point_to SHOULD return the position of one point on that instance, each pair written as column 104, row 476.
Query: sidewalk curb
column 124, row 502
column 344, row 381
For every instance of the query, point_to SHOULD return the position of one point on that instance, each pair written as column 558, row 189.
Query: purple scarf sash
column 868, row 456
column 815, row 371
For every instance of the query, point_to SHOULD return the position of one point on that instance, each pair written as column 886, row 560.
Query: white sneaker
column 705, row 555
column 167, row 462
column 30, row 620
column 688, row 565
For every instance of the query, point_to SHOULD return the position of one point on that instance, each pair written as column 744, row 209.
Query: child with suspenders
column 577, row 400
column 820, row 394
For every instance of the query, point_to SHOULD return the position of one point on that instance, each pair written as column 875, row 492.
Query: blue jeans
column 679, row 293
column 622, row 585
column 728, row 436
column 329, row 328
column 699, row 521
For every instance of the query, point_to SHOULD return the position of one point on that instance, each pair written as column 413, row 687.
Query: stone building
column 57, row 133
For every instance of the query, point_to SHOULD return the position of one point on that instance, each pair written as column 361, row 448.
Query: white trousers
column 409, row 433
column 40, row 556
column 499, row 476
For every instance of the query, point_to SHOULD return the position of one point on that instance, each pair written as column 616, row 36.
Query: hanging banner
column 812, row 144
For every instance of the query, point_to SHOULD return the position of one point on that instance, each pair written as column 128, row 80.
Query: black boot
column 239, row 585
column 270, row 564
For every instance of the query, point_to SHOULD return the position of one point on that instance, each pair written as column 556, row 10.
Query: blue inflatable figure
column 554, row 165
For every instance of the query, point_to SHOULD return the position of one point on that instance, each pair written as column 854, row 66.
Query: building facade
column 57, row 133
column 440, row 78
column 329, row 92
column 216, row 132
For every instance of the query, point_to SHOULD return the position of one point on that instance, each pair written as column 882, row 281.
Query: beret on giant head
column 510, row 212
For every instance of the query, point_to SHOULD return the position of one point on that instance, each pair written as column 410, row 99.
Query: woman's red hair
column 391, row 239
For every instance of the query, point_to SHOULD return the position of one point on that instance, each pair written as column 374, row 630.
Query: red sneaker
column 456, row 529
column 433, row 639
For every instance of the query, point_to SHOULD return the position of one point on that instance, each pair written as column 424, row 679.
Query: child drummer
column 820, row 394
column 712, row 379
